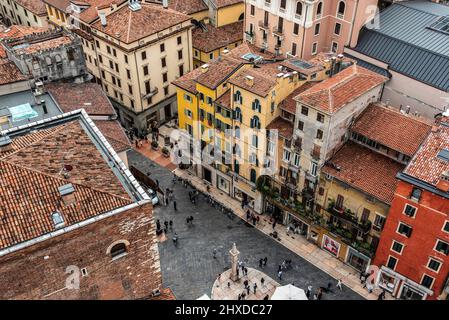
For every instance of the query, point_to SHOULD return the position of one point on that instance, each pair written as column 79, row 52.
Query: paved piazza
column 189, row 268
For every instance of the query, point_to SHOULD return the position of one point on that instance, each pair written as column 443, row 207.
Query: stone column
column 234, row 253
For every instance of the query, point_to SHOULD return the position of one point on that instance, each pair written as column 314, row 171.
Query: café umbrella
column 289, row 292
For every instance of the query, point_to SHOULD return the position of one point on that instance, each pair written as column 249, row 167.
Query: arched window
column 253, row 176
column 238, row 114
column 341, row 8
column 48, row 61
column 238, row 97
column 237, row 151
column 299, row 8
column 256, row 105
column 236, row 167
column 255, row 122
column 319, row 9
column 241, row 17
column 58, row 58
column 237, row 132
column 118, row 250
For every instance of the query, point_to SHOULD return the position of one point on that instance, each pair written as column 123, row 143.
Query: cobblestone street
column 190, row 269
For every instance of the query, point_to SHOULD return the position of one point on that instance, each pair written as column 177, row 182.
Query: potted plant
column 154, row 145
column 165, row 152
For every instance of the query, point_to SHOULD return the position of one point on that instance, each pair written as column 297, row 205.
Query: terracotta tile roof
column 35, row 6
column 188, row 81
column 289, row 103
column 225, row 99
column 16, row 31
column 129, row 26
column 284, row 127
column 215, row 38
column 9, row 73
column 42, row 45
column 90, row 14
column 225, row 3
column 63, row 5
column 188, row 6
column 218, row 71
column 88, row 95
column 426, row 165
column 365, row 170
column 391, row 128
column 113, row 132
column 264, row 78
column 30, row 177
column 334, row 93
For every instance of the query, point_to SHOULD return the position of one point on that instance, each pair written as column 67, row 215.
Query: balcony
column 151, row 93
column 348, row 218
column 278, row 31
column 250, row 37
column 264, row 24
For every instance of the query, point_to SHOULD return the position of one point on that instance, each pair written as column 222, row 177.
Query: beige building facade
column 27, row 13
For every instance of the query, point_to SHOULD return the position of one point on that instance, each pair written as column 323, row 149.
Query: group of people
column 193, row 195
column 139, row 137
column 250, row 216
column 263, row 262
column 170, row 196
column 167, row 225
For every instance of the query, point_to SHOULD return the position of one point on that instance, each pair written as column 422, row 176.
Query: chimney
column 44, row 106
column 67, row 193
column 204, row 68
column 5, row 143
column 165, row 4
column 102, row 16
column 249, row 80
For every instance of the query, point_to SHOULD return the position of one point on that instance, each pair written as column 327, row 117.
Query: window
column 209, row 100
column 211, row 55
column 301, row 125
column 253, row 176
column 446, row 226
column 427, row 281
column 118, row 250
column 58, row 220
column 409, row 211
column 293, row 52
column 128, row 74
column 97, row 43
column 252, row 10
column 314, row 47
column 108, row 49
column 298, row 8
column 256, row 105
column 296, row 29
column 392, row 262
column 147, row 87
column 119, row 83
column 341, row 9
column 144, row 55
column 103, row 75
column 179, row 54
column 162, row 47
column 238, row 97
column 181, row 70
column 319, row 134
column 404, row 229
column 416, row 194
column 100, row 58
column 116, row 67
column 434, row 265
column 164, row 77
column 305, row 111
column 130, row 89
column 255, row 122
column 255, row 141
column 397, row 247
column 379, row 222
column 296, row 160
column 111, row 64
column 317, row 29
column 313, row 168
column 187, row 98
column 286, row 155
column 163, row 62
column 337, row 29
column 320, row 117
column 179, row 40
column 319, row 9
column 126, row 58
column 283, row 4
column 145, row 70
column 334, row 47
column 442, row 247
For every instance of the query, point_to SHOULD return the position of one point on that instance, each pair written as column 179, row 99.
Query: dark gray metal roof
column 370, row 66
column 406, row 43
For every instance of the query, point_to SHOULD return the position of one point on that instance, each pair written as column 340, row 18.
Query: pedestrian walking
column 219, row 277
column 381, row 296
column 339, row 285
column 319, row 294
column 229, row 285
column 158, row 224
column 215, row 253
column 248, row 215
column 274, row 224
column 237, row 273
column 254, row 220
column 246, row 271
column 266, row 297
column 239, row 297
column 329, row 287
column 280, row 275
column 265, row 261
column 261, row 262
column 157, row 183
column 262, row 281
column 166, row 199
column 248, row 289
column 255, row 287
column 166, row 224
column 174, row 205
column 279, row 268
column 171, row 224
column 191, row 220
column 165, row 231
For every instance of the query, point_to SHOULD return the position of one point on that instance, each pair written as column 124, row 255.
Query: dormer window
column 118, row 250
column 58, row 220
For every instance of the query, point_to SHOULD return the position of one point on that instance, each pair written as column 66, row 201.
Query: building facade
column 23, row 12
column 304, row 28
column 414, row 246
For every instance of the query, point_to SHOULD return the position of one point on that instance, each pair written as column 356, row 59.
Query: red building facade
column 413, row 254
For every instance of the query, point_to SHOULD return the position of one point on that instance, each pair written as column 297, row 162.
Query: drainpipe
column 304, row 33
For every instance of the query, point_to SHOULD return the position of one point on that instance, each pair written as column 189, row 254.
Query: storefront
column 387, row 279
column 408, row 292
column 223, row 184
column 242, row 196
column 297, row 225
column 357, row 260
column 207, row 174
column 330, row 245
